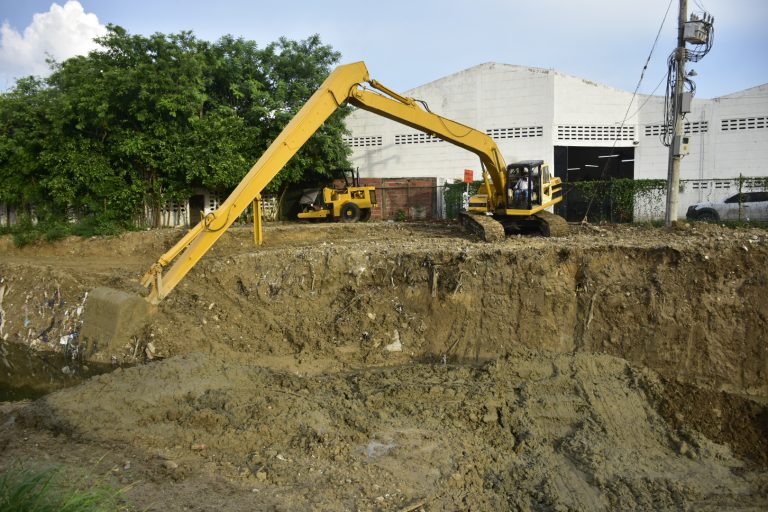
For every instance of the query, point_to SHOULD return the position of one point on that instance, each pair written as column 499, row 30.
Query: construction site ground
column 402, row 367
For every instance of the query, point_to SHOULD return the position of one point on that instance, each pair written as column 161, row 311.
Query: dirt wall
column 692, row 311
column 408, row 367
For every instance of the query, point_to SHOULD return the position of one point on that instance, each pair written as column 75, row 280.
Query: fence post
column 741, row 201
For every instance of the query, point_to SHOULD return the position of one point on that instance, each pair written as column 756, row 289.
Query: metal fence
column 644, row 200
column 597, row 201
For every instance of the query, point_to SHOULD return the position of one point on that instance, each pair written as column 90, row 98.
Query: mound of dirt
column 391, row 366
column 530, row 431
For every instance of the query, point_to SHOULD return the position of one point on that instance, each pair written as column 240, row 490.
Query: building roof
column 494, row 66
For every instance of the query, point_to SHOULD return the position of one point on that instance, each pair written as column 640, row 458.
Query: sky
column 410, row 43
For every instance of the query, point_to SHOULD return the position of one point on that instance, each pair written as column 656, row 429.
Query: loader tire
column 350, row 212
column 365, row 215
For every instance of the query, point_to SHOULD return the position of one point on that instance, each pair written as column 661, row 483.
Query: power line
column 675, row 60
column 642, row 75
column 649, row 98
column 700, row 5
column 631, row 101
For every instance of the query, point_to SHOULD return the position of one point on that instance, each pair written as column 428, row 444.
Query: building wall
column 528, row 111
column 504, row 101
column 740, row 122
column 587, row 114
column 8, row 215
column 180, row 214
column 728, row 137
column 406, row 198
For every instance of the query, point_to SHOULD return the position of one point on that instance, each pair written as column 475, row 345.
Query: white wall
column 714, row 152
column 588, row 114
column 540, row 108
column 728, row 136
column 741, row 123
column 511, row 99
column 7, row 215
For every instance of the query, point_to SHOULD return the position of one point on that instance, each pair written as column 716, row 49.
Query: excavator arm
column 344, row 84
column 188, row 251
column 412, row 113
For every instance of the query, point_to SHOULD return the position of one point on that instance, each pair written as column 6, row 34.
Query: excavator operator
column 521, row 188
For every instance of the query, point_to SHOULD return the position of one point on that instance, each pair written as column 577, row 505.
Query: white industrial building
column 572, row 123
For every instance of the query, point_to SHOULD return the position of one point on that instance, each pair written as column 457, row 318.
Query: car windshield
column 747, row 197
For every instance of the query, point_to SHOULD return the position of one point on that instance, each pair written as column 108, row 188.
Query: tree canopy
column 148, row 119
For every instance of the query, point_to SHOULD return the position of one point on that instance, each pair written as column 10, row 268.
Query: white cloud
column 61, row 33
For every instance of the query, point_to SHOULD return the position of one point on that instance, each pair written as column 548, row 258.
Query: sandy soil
column 407, row 367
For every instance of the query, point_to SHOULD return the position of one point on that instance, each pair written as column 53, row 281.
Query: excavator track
column 551, row 224
column 485, row 226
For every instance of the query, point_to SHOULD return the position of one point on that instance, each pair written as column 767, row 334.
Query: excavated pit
column 690, row 311
column 387, row 366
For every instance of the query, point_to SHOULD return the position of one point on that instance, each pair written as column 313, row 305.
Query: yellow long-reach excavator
column 510, row 196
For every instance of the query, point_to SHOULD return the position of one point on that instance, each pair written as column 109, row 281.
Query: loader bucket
column 112, row 319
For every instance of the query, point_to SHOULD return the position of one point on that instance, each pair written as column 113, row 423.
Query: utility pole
column 673, row 173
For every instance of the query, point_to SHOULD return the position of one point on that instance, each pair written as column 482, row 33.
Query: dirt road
column 394, row 366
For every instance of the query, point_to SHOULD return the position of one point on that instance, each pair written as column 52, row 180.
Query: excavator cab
column 490, row 212
column 524, row 180
column 528, row 190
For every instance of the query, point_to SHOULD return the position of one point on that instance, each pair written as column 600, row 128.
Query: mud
column 412, row 367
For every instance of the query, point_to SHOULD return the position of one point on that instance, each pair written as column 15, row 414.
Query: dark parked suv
column 745, row 206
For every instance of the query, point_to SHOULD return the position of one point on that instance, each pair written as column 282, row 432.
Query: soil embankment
column 411, row 367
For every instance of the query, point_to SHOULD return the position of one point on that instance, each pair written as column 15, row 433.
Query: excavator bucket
column 112, row 319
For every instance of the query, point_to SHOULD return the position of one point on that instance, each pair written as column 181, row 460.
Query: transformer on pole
column 698, row 32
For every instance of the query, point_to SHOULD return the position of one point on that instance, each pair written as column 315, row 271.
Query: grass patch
column 94, row 226
column 25, row 232
column 47, row 490
column 650, row 223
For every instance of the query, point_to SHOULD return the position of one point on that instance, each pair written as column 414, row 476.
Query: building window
column 214, row 201
column 415, row 138
column 743, row 123
column 605, row 133
column 699, row 185
column 753, row 183
column 517, row 132
column 689, row 127
column 363, row 142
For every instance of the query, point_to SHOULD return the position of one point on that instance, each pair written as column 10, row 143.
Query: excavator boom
column 188, row 251
column 344, row 84
column 347, row 83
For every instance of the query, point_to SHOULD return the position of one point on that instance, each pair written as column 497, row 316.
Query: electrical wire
column 653, row 47
column 649, row 98
column 695, row 54
column 631, row 101
column 699, row 5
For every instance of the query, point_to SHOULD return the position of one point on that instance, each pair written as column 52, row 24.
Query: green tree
column 24, row 132
column 147, row 119
column 293, row 71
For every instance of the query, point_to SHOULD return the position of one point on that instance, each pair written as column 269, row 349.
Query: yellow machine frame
column 336, row 201
column 344, row 85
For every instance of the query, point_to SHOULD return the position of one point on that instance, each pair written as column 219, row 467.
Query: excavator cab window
column 535, row 183
column 524, row 184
